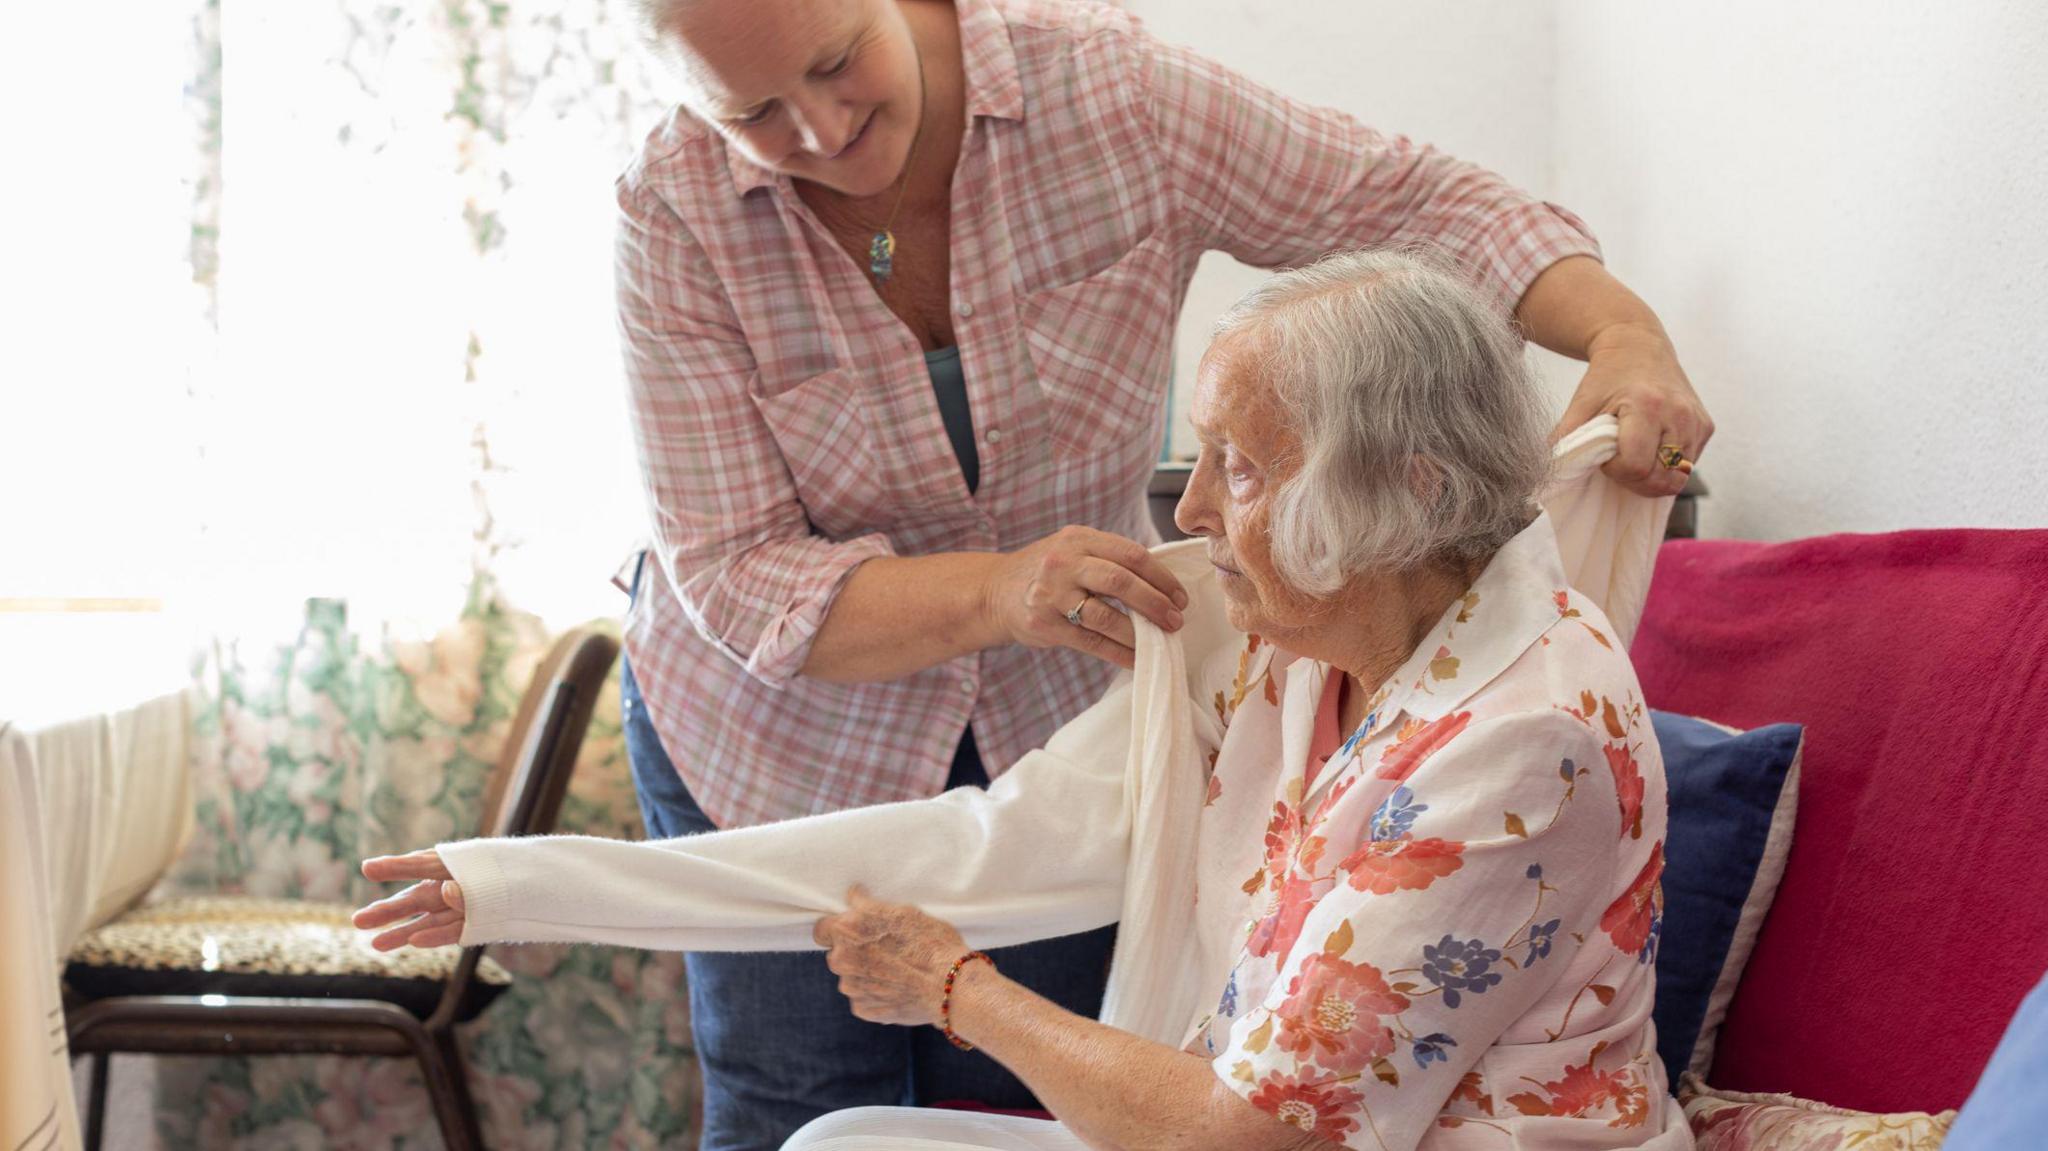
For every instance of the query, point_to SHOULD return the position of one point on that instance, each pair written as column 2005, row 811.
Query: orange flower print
column 1333, row 1014
column 1386, row 866
column 1628, row 788
column 1583, row 1091
column 1322, row 1109
column 1400, row 760
column 1287, row 843
column 1471, row 1091
column 1632, row 920
column 1286, row 909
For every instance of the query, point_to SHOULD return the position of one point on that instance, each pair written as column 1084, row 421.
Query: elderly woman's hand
column 428, row 914
column 1635, row 375
column 891, row 959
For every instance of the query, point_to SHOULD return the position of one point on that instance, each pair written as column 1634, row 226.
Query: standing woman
column 898, row 286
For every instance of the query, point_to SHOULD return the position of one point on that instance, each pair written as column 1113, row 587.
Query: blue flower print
column 1567, row 769
column 1430, row 1048
column 1228, row 1007
column 1649, row 952
column 1357, row 737
column 1535, row 871
column 1460, row 965
column 1540, row 936
column 1396, row 816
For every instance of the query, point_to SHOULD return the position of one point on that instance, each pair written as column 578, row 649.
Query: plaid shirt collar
column 993, row 88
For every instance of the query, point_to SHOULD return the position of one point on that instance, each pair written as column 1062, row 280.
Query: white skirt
column 921, row 1129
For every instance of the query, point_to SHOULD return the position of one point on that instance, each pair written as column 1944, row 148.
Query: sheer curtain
column 310, row 383
column 314, row 298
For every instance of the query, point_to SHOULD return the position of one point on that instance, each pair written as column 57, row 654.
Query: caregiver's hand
column 428, row 914
column 1034, row 588
column 891, row 959
column 1633, row 372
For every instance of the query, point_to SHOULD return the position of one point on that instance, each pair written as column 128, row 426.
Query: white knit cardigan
column 1097, row 827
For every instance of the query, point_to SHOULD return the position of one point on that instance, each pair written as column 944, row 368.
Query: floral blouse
column 1448, row 940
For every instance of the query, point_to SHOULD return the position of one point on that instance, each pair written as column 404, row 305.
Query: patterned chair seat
column 247, row 946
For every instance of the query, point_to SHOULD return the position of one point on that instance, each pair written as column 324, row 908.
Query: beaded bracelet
column 946, row 1001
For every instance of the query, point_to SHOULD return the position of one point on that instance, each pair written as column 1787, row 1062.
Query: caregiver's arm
column 1041, row 853
column 1578, row 309
column 1277, row 182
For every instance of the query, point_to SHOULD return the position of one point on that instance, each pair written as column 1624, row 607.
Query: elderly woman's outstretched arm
column 1041, row 853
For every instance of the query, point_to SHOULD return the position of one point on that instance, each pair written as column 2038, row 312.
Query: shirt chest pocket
column 1101, row 348
column 821, row 426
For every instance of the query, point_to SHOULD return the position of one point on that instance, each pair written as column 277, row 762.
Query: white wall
column 1475, row 79
column 1841, row 211
column 1839, row 208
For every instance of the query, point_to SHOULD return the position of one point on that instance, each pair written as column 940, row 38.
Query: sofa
column 1912, row 916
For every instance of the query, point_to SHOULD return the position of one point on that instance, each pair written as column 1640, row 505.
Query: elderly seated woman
column 1425, row 823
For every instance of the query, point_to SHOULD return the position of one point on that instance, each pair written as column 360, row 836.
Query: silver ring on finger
column 1074, row 617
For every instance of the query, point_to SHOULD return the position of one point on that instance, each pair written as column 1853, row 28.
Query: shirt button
column 964, row 308
column 994, row 436
column 966, row 687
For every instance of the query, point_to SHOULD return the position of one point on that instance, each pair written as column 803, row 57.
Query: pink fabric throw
column 1914, row 911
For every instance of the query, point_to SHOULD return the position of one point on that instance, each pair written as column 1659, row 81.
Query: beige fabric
column 92, row 813
column 116, row 793
column 37, row 1110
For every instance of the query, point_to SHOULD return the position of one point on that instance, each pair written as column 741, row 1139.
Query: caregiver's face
column 1246, row 450
column 821, row 90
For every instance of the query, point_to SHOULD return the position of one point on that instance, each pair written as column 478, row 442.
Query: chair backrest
column 525, row 792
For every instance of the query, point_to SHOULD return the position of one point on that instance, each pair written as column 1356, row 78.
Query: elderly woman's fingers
column 437, row 930
column 423, row 864
column 419, row 899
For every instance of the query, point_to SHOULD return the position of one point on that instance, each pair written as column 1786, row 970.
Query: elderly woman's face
column 821, row 90
column 1246, row 450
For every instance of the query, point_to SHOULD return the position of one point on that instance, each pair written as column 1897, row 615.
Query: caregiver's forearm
column 1576, row 305
column 898, row 615
column 1118, row 1092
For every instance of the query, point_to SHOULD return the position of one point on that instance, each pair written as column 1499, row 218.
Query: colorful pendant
column 882, row 255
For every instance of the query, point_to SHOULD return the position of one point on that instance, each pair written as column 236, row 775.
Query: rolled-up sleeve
column 1278, row 183
column 731, row 536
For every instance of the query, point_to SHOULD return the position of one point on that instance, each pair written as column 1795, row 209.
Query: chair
column 231, row 975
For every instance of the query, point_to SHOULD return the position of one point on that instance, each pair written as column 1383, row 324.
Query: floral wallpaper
column 331, row 745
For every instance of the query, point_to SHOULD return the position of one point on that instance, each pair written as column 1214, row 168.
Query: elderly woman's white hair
column 1421, row 426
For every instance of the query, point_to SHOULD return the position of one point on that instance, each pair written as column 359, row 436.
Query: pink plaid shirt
column 785, row 420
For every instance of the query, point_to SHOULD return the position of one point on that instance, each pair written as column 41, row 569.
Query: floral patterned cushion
column 238, row 945
column 1741, row 1121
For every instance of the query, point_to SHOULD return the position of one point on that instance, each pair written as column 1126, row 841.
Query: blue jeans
column 776, row 1042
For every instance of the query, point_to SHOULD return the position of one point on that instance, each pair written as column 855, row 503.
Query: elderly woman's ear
column 1425, row 480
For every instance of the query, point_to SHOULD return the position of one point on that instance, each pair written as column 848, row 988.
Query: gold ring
column 1673, row 456
column 1074, row 617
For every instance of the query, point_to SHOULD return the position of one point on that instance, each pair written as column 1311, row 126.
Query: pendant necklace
column 882, row 249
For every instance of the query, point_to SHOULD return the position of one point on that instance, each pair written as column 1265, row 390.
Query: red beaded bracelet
column 946, row 1001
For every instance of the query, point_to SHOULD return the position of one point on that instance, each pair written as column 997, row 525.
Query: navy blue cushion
column 2008, row 1108
column 1724, row 788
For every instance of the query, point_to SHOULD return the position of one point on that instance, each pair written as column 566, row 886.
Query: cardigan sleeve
column 1041, row 853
